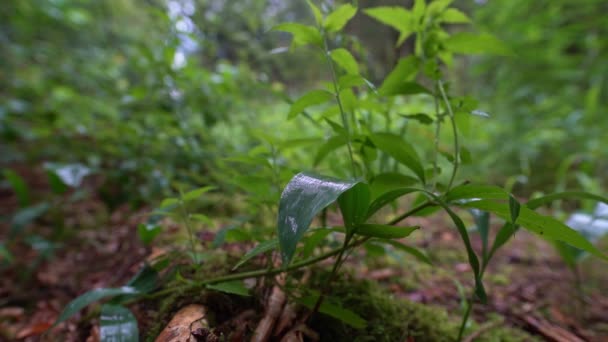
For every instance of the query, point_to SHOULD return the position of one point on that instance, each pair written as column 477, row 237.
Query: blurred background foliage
column 147, row 93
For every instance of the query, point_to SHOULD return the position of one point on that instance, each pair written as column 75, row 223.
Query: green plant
column 384, row 162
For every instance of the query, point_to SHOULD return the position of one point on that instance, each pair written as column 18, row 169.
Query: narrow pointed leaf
column 387, row 198
column 418, row 254
column 388, row 181
column 482, row 223
column 405, row 71
column 545, row 226
column 261, row 248
column 303, row 198
column 117, row 324
column 316, row 12
column 396, row 17
column 454, row 16
column 195, row 194
column 383, row 231
column 330, row 145
column 312, row 98
column 400, row 150
column 503, row 235
column 537, row 202
column 514, row 208
column 313, row 240
column 337, row 19
column 19, row 187
column 90, row 297
column 233, row 287
column 471, row 191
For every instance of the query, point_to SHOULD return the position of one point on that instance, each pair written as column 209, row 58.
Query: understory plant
column 373, row 161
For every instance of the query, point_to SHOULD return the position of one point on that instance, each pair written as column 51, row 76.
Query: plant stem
column 437, row 131
column 186, row 220
column 465, row 319
column 455, row 132
column 342, row 113
column 410, row 213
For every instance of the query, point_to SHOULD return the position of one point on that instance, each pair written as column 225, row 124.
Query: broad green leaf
column 26, row 216
column 351, row 80
column 437, row 6
column 337, row 19
column 316, row 12
column 57, row 185
column 537, row 202
column 117, row 324
column 569, row 254
column 145, row 280
column 472, row 44
column 330, row 145
column 454, row 16
column 383, row 231
column 472, row 191
column 303, row 198
column 302, row 34
column 345, row 60
column 396, row 17
column 312, row 98
column 261, row 248
column 387, row 198
column 400, row 150
column 407, row 249
column 195, row 194
column 233, row 287
column 405, row 71
column 543, row 225
column 354, row 203
column 19, row 187
column 90, row 297
column 418, row 10
column 336, row 311
column 388, row 181
column 405, row 88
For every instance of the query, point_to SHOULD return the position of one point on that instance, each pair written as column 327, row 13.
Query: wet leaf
column 117, row 324
column 383, row 231
column 90, row 297
column 303, row 198
column 354, row 204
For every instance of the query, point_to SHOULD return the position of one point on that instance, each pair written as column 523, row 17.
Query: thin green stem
column 437, row 132
column 455, row 132
column 186, row 220
column 342, row 112
column 465, row 319
column 410, row 213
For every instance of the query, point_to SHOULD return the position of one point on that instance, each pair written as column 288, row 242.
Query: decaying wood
column 183, row 323
column 549, row 331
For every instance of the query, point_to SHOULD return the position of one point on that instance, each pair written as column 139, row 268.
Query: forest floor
column 529, row 287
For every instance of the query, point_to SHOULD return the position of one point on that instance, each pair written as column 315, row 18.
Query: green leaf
column 400, row 150
column 147, row 232
column 26, row 216
column 303, row 198
column 316, row 12
column 464, row 235
column 336, row 311
column 90, row 297
column 503, row 235
column 420, row 117
column 472, row 191
column 330, row 145
column 169, row 203
column 514, row 208
column 349, row 81
column 405, row 88
column 396, row 17
column 542, row 225
column 354, row 203
column 312, row 98
column 537, row 202
column 383, row 231
column 472, row 44
column 302, row 34
column 482, row 223
column 195, row 194
column 345, row 60
column 405, row 71
column 337, row 19
column 145, row 280
column 387, row 198
column 388, row 181
column 233, row 287
column 454, row 16
column 117, row 324
column 261, row 248
column 421, row 256
column 19, row 187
